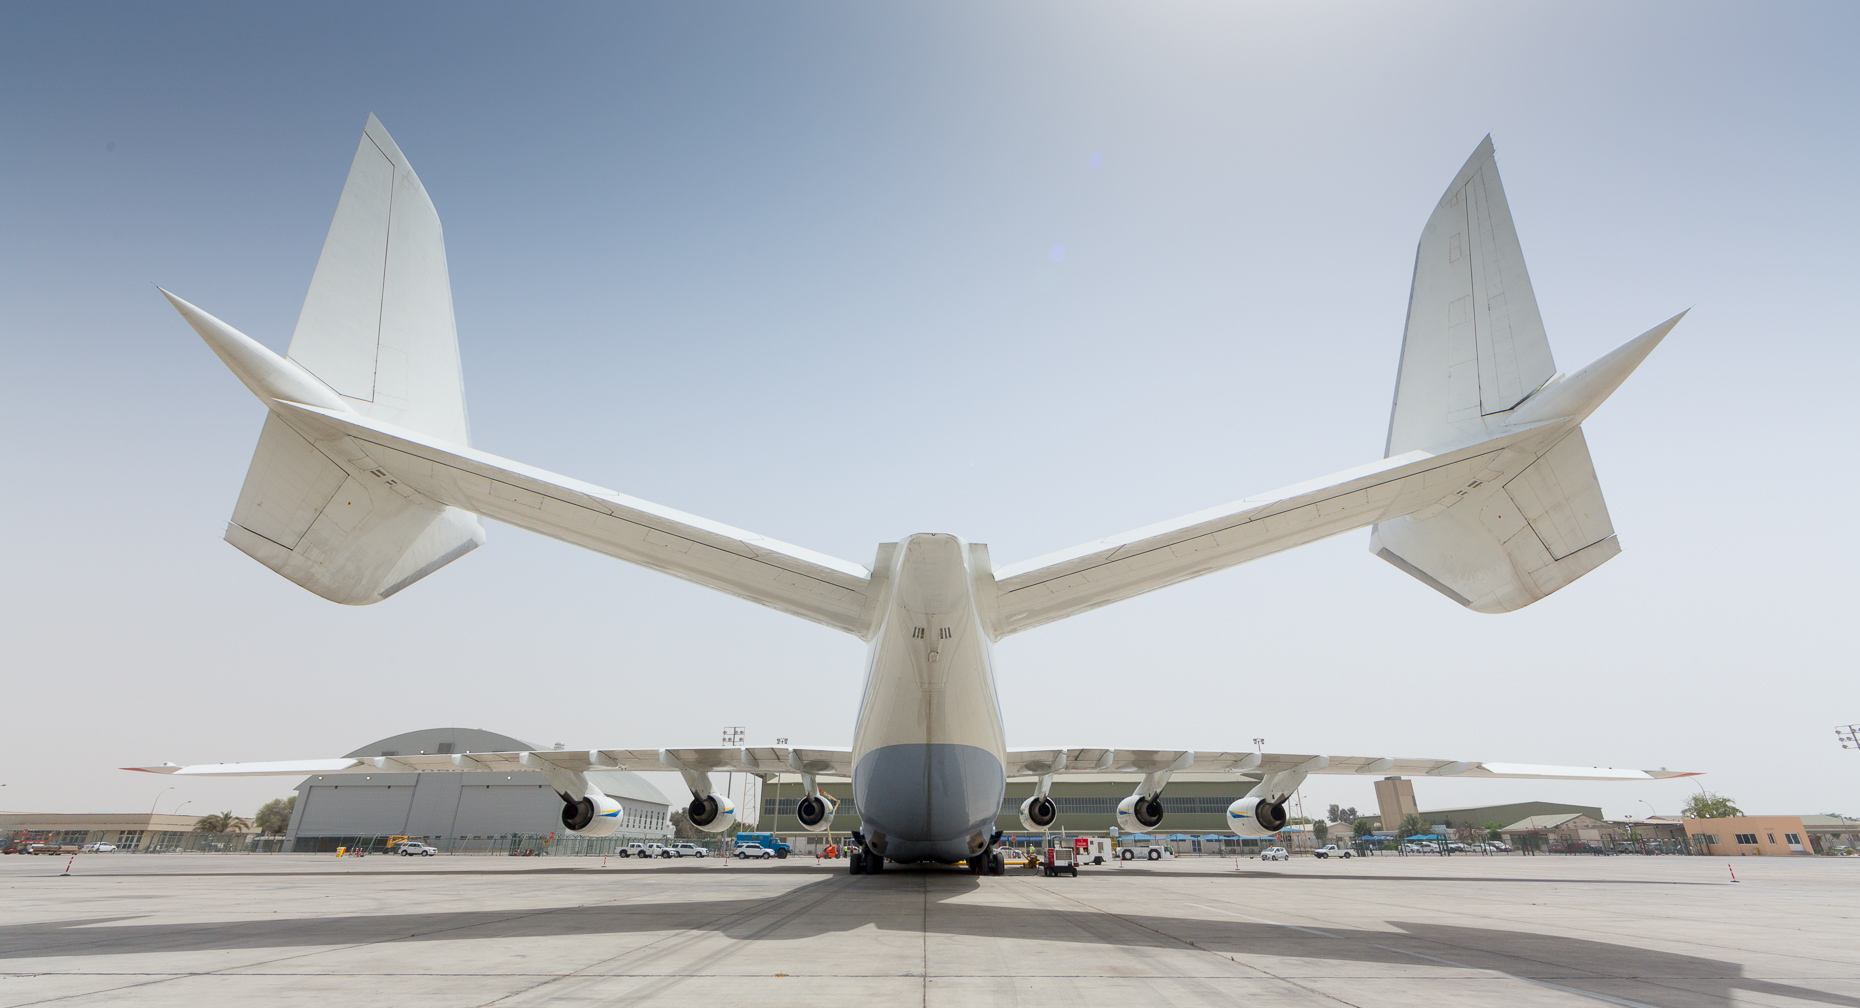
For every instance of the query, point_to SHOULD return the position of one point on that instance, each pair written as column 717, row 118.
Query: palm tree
column 221, row 822
column 1411, row 825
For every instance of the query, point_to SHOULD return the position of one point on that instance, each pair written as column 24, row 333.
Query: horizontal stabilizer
column 776, row 574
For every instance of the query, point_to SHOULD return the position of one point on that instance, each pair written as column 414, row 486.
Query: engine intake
column 595, row 815
column 1038, row 813
column 711, row 813
column 815, row 813
column 1256, row 818
column 1137, row 813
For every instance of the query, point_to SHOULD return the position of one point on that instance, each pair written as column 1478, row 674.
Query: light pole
column 775, row 821
column 158, row 795
column 178, row 808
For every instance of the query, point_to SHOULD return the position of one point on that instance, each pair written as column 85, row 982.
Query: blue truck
column 780, row 847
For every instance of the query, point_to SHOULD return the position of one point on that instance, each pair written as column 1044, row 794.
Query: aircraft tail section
column 1476, row 364
column 376, row 337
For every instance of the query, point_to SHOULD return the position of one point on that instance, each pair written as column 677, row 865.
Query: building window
column 1794, row 838
column 1708, row 839
column 1747, row 838
column 1772, row 837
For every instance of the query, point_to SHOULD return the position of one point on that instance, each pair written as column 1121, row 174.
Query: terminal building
column 466, row 810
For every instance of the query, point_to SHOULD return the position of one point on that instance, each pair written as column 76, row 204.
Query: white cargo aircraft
column 364, row 482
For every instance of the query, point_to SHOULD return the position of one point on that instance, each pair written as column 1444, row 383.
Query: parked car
column 689, row 850
column 751, row 850
column 412, row 848
column 1275, row 854
column 1498, row 846
column 98, row 848
column 1148, row 852
column 1419, row 847
column 1330, row 851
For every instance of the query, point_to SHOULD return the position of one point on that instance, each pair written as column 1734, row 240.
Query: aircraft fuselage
column 929, row 749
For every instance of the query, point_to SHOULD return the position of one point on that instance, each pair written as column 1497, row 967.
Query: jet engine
column 711, row 813
column 1038, row 813
column 595, row 815
column 1137, row 813
column 815, row 812
column 1256, row 818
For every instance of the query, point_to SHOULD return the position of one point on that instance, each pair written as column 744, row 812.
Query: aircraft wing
column 794, row 580
column 1036, row 762
column 1098, row 573
column 753, row 759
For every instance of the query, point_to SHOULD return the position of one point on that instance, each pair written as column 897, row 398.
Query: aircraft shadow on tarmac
column 831, row 906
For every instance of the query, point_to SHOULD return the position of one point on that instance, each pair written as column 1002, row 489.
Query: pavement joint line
column 690, row 936
column 228, row 970
column 1185, row 942
column 1448, row 962
column 1637, row 934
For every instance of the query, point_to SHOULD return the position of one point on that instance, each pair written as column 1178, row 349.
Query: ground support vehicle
column 52, row 848
column 1330, row 851
column 1061, row 861
column 98, row 848
column 1094, row 850
column 1148, row 852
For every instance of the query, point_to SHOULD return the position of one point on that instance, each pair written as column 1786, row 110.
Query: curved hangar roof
column 618, row 783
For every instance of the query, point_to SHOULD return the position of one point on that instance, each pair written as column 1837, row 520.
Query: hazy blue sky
column 1029, row 273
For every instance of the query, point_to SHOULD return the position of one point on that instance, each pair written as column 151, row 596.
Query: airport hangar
column 464, row 810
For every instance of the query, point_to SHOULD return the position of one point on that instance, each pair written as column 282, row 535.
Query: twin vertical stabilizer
column 376, row 337
column 1475, row 363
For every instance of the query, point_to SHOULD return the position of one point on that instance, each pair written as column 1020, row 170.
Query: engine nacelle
column 711, row 813
column 815, row 813
column 1256, row 818
column 1136, row 813
column 1038, row 813
column 595, row 815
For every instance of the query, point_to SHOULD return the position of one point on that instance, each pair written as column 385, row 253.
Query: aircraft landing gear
column 874, row 862
column 855, row 862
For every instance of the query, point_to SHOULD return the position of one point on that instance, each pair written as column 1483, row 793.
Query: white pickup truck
column 1330, row 851
column 647, row 850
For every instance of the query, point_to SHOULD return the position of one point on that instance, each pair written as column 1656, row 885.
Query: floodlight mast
column 1849, row 736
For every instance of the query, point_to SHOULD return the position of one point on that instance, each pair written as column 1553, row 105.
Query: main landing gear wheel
column 855, row 863
column 997, row 863
column 874, row 863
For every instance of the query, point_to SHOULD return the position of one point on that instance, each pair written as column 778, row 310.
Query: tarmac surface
column 283, row 930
